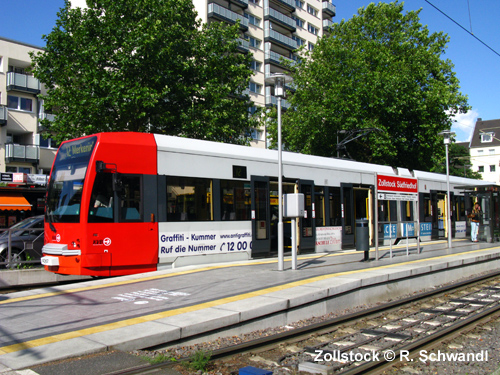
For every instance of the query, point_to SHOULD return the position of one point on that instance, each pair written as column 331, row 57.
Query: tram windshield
column 67, row 180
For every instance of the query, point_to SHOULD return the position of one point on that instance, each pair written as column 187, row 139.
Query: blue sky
column 476, row 66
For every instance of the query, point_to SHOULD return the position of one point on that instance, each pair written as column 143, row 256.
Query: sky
column 476, row 57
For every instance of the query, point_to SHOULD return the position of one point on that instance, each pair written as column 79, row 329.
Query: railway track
column 370, row 340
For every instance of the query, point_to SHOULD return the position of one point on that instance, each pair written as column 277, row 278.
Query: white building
column 485, row 149
column 22, row 150
column 271, row 30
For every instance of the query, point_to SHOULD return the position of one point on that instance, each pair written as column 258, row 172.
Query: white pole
column 280, row 193
column 448, row 201
column 294, row 243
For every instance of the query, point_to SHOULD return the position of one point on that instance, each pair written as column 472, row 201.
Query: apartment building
column 485, row 149
column 25, row 157
column 271, row 30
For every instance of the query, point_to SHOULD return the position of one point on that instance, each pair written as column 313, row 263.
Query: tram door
column 439, row 203
column 261, row 216
column 307, row 224
column 487, row 227
column 356, row 204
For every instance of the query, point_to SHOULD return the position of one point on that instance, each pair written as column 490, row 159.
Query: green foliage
column 459, row 159
column 381, row 69
column 199, row 360
column 147, row 66
column 159, row 358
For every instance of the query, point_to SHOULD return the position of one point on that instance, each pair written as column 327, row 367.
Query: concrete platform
column 198, row 303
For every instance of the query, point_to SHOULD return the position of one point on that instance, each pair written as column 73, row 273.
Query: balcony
column 4, row 113
column 26, row 153
column 326, row 25
column 272, row 101
column 23, row 82
column 287, row 4
column 272, row 57
column 278, row 38
column 243, row 45
column 329, row 8
column 279, row 18
column 241, row 3
column 222, row 14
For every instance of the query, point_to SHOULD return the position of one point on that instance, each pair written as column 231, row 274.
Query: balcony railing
column 4, row 113
column 241, row 3
column 243, row 45
column 276, row 58
column 327, row 24
column 22, row 82
column 329, row 8
column 27, row 153
column 283, row 40
column 223, row 14
column 279, row 18
column 288, row 4
column 271, row 100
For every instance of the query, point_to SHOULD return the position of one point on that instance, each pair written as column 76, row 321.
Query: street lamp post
column 447, row 134
column 279, row 80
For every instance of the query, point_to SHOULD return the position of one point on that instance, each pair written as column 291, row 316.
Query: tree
column 383, row 70
column 147, row 66
column 459, row 159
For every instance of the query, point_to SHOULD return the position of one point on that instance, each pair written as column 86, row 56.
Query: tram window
column 235, row 200
column 427, row 209
column 319, row 206
column 307, row 219
column 101, row 201
column 189, row 199
column 335, row 207
column 261, row 212
column 131, row 198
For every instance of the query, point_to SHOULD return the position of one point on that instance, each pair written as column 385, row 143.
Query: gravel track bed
column 476, row 344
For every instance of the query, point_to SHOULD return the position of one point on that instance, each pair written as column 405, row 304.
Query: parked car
column 26, row 241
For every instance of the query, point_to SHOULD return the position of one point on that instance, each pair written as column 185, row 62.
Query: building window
column 310, row 46
column 299, row 22
column 22, row 104
column 255, row 87
column 255, row 134
column 300, row 42
column 254, row 43
column 312, row 11
column 256, row 2
column 252, row 109
column 492, row 168
column 491, row 151
column 487, row 137
column 252, row 19
column 480, row 169
column 312, row 29
column 299, row 4
column 255, row 65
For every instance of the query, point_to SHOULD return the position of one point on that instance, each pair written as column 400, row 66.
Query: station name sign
column 397, row 184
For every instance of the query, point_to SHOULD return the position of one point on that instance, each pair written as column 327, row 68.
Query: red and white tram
column 124, row 203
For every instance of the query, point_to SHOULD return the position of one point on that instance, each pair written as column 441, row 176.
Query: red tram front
column 100, row 217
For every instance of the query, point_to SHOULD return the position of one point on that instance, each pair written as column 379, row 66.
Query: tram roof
column 230, row 151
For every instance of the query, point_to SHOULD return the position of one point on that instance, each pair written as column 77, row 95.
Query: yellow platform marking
column 186, row 272
column 214, row 303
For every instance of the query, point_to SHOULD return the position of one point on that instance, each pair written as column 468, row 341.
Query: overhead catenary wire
column 467, row 31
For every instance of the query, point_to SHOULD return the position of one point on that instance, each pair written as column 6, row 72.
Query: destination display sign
column 397, row 184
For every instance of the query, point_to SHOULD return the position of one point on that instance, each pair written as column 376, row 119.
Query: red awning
column 14, row 202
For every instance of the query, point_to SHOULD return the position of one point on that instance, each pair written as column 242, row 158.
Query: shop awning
column 14, row 202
